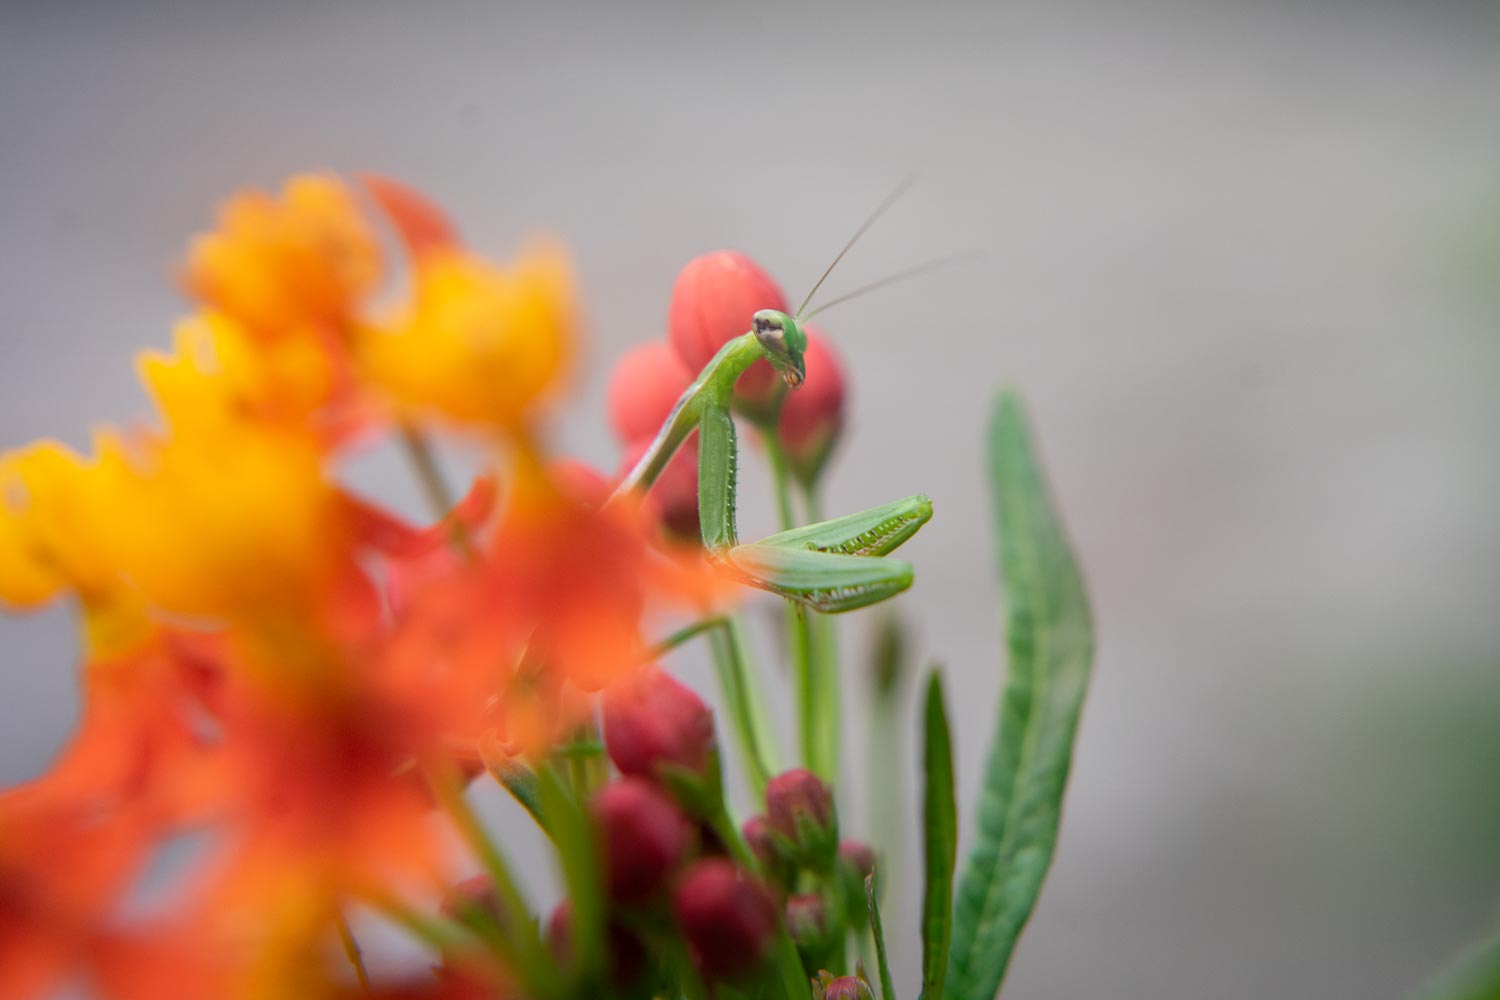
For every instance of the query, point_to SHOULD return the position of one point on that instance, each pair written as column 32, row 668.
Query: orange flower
column 62, row 870
column 295, row 264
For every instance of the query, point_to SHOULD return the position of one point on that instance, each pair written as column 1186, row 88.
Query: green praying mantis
column 830, row 566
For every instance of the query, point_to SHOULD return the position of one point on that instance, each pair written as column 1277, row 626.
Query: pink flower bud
column 727, row 917
column 858, row 857
column 712, row 303
column 848, row 988
column 807, row 921
column 645, row 838
column 473, row 899
column 643, row 387
column 856, row 862
column 799, row 809
column 675, row 493
column 812, row 417
column 581, row 482
column 651, row 719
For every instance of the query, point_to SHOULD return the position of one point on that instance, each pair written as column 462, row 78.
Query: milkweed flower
column 298, row 264
column 478, row 344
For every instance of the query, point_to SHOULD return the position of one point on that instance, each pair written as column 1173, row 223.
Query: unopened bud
column 644, row 835
column 812, row 417
column 856, row 862
column 675, row 492
column 473, row 902
column 848, row 988
column 727, row 917
column 651, row 720
column 643, row 387
column 799, row 809
column 807, row 922
column 762, row 844
column 713, row 302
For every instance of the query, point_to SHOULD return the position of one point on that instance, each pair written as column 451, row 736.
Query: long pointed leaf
column 1050, row 642
column 940, row 824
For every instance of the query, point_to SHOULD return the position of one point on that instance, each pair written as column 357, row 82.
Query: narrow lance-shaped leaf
column 940, row 845
column 1050, row 645
column 1474, row 975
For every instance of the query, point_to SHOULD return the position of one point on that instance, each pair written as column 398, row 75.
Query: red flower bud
column 651, row 719
column 856, row 862
column 848, row 988
column 799, row 809
column 472, row 900
column 712, row 303
column 644, row 386
column 675, row 493
column 727, row 917
column 807, row 921
column 812, row 417
column 775, row 865
column 645, row 838
column 581, row 482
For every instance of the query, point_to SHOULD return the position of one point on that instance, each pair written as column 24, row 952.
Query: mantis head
column 782, row 339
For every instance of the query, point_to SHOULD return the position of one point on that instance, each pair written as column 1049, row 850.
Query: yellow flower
column 48, row 542
column 218, row 375
column 229, row 525
column 302, row 261
column 478, row 344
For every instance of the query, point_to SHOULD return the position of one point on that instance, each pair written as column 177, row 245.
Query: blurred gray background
column 1243, row 259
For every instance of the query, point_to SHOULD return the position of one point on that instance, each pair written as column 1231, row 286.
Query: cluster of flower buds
column 820, row 879
column 660, row 857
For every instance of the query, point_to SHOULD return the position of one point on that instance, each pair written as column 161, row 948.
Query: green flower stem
column 682, row 635
column 747, row 711
column 825, row 669
column 352, row 952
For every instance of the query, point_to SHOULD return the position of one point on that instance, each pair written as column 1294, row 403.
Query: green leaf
column 823, row 581
column 878, row 531
column 516, row 777
column 1049, row 636
column 1474, row 975
column 887, row 991
column 940, row 823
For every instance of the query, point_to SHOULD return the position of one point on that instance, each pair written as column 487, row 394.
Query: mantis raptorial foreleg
column 832, row 566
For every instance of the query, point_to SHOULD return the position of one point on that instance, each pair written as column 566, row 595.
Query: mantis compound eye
column 770, row 331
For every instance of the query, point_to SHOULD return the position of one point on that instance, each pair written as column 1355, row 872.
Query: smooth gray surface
column 1243, row 259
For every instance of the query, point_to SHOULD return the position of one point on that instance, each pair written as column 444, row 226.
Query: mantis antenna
column 890, row 199
column 891, row 279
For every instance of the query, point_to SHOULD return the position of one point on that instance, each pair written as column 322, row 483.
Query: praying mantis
column 830, row 566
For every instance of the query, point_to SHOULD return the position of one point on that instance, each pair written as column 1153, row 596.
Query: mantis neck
column 710, row 390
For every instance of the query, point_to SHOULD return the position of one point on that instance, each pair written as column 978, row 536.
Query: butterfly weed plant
column 310, row 684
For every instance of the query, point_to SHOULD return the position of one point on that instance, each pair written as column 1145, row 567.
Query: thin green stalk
column 746, row 711
column 352, row 952
column 434, row 487
column 521, row 928
column 682, row 635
